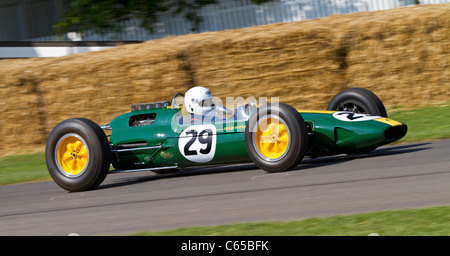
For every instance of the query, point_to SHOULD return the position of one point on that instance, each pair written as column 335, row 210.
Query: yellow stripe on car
column 388, row 121
column 315, row 111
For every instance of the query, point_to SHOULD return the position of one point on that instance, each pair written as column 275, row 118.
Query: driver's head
column 199, row 100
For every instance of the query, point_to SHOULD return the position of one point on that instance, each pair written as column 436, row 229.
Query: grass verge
column 432, row 221
column 427, row 123
column 23, row 168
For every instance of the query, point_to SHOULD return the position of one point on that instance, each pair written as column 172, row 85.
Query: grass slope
column 428, row 123
column 432, row 221
column 23, row 168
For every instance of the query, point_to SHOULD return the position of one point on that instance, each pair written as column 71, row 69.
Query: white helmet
column 199, row 100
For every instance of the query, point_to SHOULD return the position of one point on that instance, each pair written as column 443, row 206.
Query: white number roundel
column 197, row 143
column 353, row 117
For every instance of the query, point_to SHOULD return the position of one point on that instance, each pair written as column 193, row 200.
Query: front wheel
column 77, row 154
column 276, row 137
column 358, row 100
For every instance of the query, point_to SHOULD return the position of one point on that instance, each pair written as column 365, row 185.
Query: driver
column 199, row 102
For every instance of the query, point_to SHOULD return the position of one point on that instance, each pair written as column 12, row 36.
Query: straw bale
column 39, row 93
column 405, row 57
column 105, row 84
column 22, row 120
column 269, row 61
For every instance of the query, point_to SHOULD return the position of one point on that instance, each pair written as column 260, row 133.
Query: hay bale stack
column 22, row 117
column 403, row 55
column 36, row 94
column 275, row 60
column 104, row 84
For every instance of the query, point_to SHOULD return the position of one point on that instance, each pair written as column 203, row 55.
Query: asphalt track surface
column 393, row 177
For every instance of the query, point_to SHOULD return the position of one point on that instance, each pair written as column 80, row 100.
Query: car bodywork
column 153, row 136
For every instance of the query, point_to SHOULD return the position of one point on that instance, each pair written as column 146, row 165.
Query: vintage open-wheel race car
column 163, row 137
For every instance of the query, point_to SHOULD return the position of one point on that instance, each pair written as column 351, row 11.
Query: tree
column 107, row 15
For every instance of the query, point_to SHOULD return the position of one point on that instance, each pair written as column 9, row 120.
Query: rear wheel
column 358, row 100
column 77, row 154
column 276, row 137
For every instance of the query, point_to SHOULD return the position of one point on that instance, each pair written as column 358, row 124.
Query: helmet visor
column 207, row 103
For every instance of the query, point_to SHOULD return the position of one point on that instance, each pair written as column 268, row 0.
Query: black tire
column 291, row 123
column 78, row 154
column 358, row 100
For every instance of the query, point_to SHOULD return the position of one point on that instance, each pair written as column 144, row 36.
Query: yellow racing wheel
column 72, row 155
column 276, row 137
column 78, row 154
column 271, row 138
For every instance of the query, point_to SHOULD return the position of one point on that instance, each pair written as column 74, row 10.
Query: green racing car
column 194, row 130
